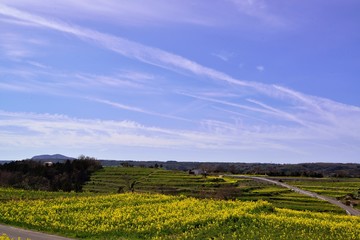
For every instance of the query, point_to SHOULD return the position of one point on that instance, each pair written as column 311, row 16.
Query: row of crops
column 153, row 180
column 346, row 190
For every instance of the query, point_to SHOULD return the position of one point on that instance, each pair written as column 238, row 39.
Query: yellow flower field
column 155, row 216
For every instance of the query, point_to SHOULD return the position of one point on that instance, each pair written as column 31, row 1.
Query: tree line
column 271, row 169
column 40, row 175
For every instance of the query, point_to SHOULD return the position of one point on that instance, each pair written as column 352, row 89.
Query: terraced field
column 332, row 187
column 118, row 179
column 345, row 189
column 152, row 180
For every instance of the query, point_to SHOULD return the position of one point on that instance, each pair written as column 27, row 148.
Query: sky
column 191, row 80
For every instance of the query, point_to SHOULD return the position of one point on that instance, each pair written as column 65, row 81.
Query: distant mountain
column 51, row 157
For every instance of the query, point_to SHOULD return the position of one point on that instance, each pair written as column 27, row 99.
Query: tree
column 130, row 182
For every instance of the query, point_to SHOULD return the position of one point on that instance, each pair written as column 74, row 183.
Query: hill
column 51, row 157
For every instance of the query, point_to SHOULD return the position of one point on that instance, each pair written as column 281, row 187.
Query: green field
column 153, row 180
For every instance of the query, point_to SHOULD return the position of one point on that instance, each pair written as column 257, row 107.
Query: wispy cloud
column 259, row 9
column 228, row 103
column 142, row 13
column 30, row 76
column 236, row 115
column 125, row 47
column 136, row 109
column 37, row 64
column 296, row 118
column 134, row 13
column 31, row 130
column 260, row 68
column 161, row 58
column 16, row 47
column 41, row 129
column 64, row 85
column 13, row 47
column 134, row 50
column 146, row 54
column 14, row 87
column 277, row 112
column 114, row 81
column 223, row 55
column 310, row 118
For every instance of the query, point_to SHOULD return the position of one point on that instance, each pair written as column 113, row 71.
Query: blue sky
column 220, row 80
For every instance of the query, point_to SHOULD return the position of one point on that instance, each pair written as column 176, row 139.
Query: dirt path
column 349, row 210
column 15, row 233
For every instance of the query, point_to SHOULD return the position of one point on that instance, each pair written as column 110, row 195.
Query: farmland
column 158, row 216
column 153, row 203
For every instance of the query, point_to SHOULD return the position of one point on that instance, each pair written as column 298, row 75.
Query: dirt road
column 349, row 210
column 15, row 233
